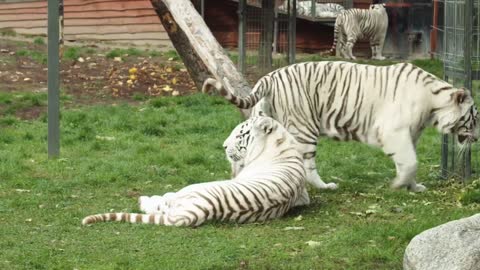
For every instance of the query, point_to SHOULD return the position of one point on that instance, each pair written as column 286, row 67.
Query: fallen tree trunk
column 200, row 51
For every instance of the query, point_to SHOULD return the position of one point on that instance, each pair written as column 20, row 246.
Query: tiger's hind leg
column 309, row 152
column 377, row 47
column 303, row 198
column 400, row 147
column 153, row 204
column 349, row 49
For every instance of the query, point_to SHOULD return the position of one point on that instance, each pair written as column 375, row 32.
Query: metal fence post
column 468, row 32
column 241, row 35
column 53, row 79
column 292, row 26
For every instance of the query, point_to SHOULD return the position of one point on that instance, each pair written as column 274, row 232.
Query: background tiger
column 354, row 24
column 321, row 9
column 386, row 106
column 269, row 180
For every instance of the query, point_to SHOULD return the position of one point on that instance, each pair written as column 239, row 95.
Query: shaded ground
column 91, row 75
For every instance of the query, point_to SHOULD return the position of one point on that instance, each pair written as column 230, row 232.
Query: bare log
column 200, row 51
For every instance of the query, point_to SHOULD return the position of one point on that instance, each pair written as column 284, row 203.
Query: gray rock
column 452, row 246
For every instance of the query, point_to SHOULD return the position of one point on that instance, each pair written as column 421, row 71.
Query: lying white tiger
column 354, row 24
column 386, row 106
column 269, row 181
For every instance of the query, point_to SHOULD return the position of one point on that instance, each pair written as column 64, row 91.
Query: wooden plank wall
column 119, row 21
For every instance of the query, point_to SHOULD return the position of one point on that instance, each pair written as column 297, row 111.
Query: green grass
column 10, row 102
column 8, row 32
column 72, row 53
column 37, row 56
column 124, row 52
column 169, row 142
column 39, row 41
column 172, row 54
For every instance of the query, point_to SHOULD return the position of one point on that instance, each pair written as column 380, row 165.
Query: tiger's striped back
column 383, row 106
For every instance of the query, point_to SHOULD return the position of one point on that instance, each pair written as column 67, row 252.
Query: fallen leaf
column 300, row 217
column 104, row 138
column 313, row 243
column 293, row 228
column 117, row 59
column 132, row 71
column 167, row 88
column 175, row 93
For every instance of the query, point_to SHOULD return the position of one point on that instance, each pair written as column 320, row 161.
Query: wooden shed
column 119, row 21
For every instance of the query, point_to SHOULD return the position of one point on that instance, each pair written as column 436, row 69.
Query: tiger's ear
column 459, row 96
column 265, row 125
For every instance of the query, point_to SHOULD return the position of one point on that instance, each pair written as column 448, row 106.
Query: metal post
column 434, row 32
column 467, row 56
column 266, row 36
column 444, row 149
column 241, row 35
column 313, row 8
column 202, row 8
column 53, row 79
column 275, row 31
column 292, row 26
column 348, row 4
column 444, row 161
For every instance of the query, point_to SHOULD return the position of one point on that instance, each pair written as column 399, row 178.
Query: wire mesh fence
column 265, row 37
column 457, row 31
column 267, row 41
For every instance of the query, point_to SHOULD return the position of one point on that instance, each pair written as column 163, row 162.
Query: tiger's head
column 459, row 117
column 253, row 139
column 377, row 7
column 466, row 127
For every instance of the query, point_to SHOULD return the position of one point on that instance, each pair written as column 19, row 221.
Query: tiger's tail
column 261, row 89
column 157, row 219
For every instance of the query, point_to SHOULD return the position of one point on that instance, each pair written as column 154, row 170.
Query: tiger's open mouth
column 466, row 137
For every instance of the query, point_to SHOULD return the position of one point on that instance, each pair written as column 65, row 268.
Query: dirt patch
column 92, row 78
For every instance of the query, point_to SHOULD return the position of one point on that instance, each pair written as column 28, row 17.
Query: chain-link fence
column 456, row 30
column 264, row 36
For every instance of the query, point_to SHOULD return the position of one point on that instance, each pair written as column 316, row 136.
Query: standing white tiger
column 387, row 107
column 269, row 180
column 354, row 24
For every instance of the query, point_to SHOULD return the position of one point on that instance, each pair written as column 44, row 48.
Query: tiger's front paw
column 331, row 186
column 417, row 188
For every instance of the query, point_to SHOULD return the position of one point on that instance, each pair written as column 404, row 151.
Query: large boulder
column 452, row 246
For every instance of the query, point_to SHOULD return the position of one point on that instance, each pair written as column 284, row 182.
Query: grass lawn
column 112, row 153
